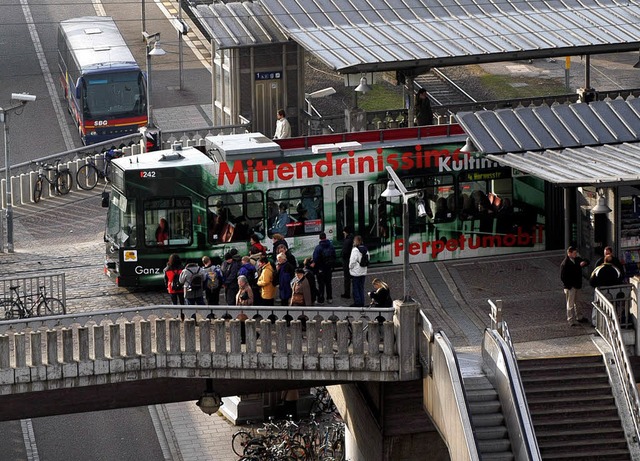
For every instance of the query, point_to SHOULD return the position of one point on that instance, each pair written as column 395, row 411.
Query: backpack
column 214, row 278
column 364, row 258
column 197, row 280
column 175, row 282
column 328, row 256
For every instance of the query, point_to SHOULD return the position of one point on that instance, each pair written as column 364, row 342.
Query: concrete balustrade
column 168, row 341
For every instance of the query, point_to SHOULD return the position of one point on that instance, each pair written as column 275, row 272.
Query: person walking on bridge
column 571, row 276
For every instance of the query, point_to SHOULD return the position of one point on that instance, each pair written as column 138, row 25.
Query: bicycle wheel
column 107, row 171
column 64, row 182
column 87, row 176
column 239, row 441
column 50, row 306
column 338, row 450
column 9, row 309
column 37, row 190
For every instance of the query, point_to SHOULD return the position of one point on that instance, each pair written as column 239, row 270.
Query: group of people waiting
column 608, row 271
column 255, row 279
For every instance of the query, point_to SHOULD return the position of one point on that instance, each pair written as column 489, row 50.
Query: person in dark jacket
column 285, row 274
column 230, row 268
column 608, row 251
column 324, row 258
column 606, row 274
column 347, row 246
column 172, row 271
column 381, row 296
column 571, row 277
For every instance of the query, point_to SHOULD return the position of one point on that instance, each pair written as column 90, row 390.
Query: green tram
column 213, row 201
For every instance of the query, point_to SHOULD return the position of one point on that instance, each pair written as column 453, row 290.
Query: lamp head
column 157, row 50
column 391, row 190
column 468, row 147
column 601, row 207
column 364, row 86
column 209, row 403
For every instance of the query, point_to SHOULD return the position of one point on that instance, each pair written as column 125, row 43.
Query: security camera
column 23, row 97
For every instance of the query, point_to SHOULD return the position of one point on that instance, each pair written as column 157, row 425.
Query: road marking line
column 29, row 440
column 165, row 433
column 97, row 5
column 48, row 78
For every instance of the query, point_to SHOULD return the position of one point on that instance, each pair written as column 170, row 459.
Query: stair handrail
column 442, row 343
column 520, row 407
column 608, row 326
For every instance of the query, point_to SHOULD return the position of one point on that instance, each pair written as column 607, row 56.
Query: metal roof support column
column 412, row 101
column 567, row 218
column 587, row 72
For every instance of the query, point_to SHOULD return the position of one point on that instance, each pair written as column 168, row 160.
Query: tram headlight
column 422, row 209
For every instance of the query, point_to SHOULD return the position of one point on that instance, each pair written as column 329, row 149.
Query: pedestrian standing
column 244, row 297
column 347, row 246
column 172, row 279
column 266, row 278
column 608, row 251
column 358, row 263
column 324, row 258
column 300, row 290
column 285, row 274
column 214, row 281
column 310, row 275
column 424, row 114
column 571, row 277
column 283, row 127
column 194, row 279
column 230, row 267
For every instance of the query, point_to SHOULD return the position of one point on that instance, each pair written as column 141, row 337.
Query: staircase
column 487, row 420
column 572, row 409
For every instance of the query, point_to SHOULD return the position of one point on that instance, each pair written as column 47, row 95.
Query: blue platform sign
column 274, row 75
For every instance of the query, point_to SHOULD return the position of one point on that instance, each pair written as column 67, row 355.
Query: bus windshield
column 114, row 95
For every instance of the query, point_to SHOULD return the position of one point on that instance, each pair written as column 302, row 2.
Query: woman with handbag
column 300, row 290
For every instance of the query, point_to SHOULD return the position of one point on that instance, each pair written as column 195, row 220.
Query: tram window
column 121, row 221
column 234, row 217
column 344, row 209
column 295, row 211
column 473, row 196
column 438, row 195
column 167, row 222
column 384, row 214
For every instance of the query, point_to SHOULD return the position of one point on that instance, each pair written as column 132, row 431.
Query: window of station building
column 295, row 211
column 234, row 217
column 345, row 211
column 167, row 221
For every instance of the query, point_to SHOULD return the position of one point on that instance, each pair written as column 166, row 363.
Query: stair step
column 611, row 442
column 494, row 446
column 592, row 433
column 589, row 455
column 487, row 420
column 485, row 407
column 598, row 376
column 579, row 410
column 568, row 401
column 481, row 395
column 506, row 456
column 490, row 433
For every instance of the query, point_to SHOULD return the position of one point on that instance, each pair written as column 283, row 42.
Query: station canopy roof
column 353, row 36
column 238, row 24
column 568, row 145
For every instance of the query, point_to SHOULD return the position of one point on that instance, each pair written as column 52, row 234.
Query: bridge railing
column 316, row 339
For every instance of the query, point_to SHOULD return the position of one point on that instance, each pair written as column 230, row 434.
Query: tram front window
column 121, row 221
column 167, row 222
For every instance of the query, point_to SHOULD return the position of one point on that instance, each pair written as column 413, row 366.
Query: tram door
column 268, row 101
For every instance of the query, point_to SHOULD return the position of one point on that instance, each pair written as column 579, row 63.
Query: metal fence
column 29, row 286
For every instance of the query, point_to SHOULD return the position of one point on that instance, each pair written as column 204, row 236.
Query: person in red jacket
column 172, row 279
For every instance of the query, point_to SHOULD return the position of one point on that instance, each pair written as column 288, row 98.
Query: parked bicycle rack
column 54, row 282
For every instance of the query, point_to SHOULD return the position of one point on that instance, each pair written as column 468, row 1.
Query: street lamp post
column 22, row 99
column 395, row 188
column 153, row 49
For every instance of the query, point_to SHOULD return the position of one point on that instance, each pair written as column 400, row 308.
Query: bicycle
column 88, row 175
column 15, row 307
column 61, row 181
